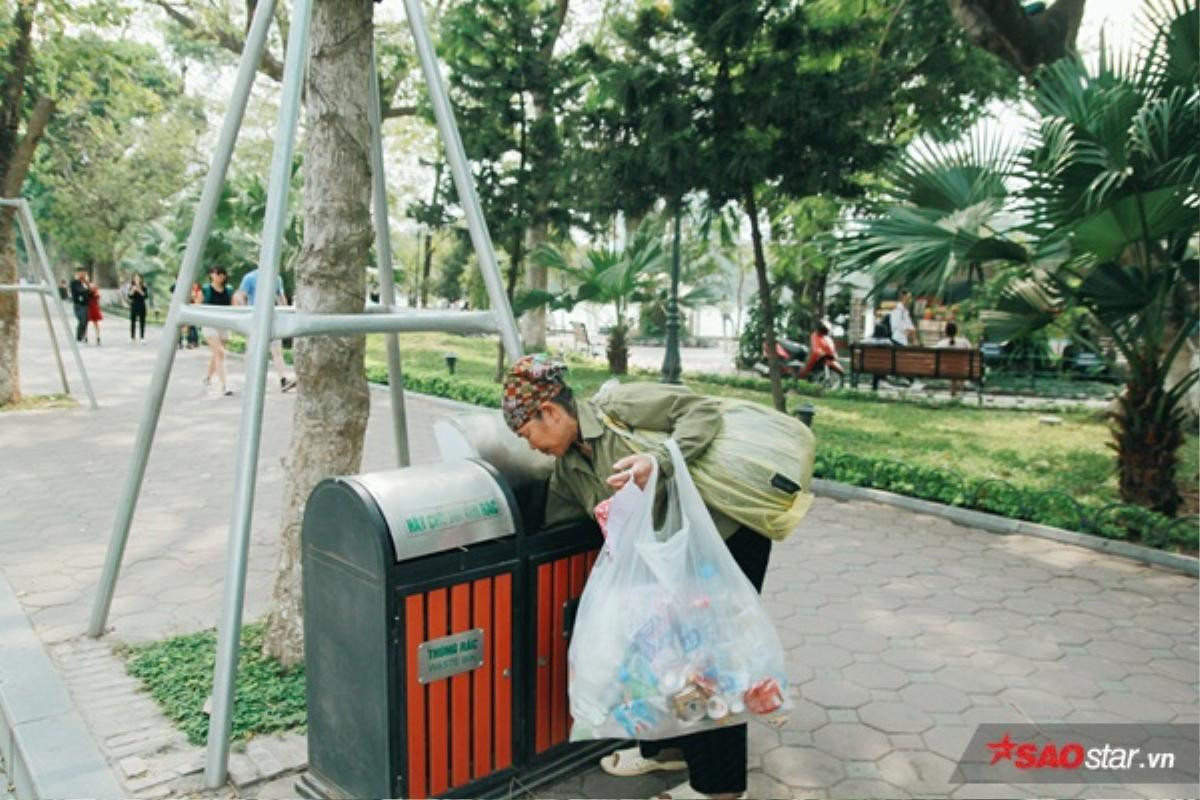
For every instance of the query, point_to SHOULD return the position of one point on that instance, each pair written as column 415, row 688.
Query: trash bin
column 437, row 618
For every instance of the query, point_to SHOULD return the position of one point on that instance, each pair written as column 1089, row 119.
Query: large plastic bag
column 757, row 470
column 670, row 636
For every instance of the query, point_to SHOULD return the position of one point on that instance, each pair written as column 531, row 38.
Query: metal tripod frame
column 264, row 322
column 43, row 285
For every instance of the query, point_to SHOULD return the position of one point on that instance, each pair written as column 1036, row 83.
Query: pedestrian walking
column 94, row 314
column 593, row 461
column 81, row 293
column 244, row 296
column 217, row 293
column 901, row 320
column 138, row 295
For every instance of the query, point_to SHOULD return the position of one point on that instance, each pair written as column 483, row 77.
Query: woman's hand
column 637, row 466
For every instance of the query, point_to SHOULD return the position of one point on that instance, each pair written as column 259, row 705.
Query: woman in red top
column 820, row 348
column 93, row 311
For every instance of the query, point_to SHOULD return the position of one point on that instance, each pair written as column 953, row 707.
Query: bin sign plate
column 449, row 655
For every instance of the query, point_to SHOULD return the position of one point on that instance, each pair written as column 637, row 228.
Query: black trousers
column 81, row 319
column 717, row 758
column 137, row 317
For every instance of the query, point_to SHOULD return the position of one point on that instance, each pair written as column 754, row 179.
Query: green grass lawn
column 975, row 443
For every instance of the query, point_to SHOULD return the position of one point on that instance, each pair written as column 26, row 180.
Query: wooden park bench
column 885, row 360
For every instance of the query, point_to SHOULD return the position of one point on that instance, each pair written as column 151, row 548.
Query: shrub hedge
column 1114, row 521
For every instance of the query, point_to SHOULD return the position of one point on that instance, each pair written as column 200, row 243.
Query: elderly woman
column 593, row 461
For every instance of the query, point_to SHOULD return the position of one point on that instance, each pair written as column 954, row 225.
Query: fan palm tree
column 1108, row 204
column 943, row 213
column 619, row 276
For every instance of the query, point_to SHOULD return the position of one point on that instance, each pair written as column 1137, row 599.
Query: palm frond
column 1026, row 306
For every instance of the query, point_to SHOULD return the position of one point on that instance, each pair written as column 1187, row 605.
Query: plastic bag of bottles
column 670, row 636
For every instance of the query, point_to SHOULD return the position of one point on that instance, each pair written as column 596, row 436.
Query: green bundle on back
column 758, row 469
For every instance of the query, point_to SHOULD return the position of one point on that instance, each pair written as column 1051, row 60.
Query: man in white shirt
column 244, row 296
column 901, row 320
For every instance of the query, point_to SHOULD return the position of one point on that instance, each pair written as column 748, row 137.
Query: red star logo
column 1002, row 750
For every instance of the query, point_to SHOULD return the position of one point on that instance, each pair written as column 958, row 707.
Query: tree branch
column 270, row 66
column 1026, row 42
column 399, row 111
column 23, row 157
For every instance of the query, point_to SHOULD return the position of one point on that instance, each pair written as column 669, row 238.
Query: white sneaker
column 630, row 761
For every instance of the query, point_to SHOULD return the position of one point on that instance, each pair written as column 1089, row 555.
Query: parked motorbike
column 793, row 357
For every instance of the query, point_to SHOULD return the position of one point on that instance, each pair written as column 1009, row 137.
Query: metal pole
column 463, row 182
column 671, row 365
column 383, row 253
column 30, row 256
column 27, row 213
column 250, row 427
column 201, row 224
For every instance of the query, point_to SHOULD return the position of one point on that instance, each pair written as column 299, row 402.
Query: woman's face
column 550, row 431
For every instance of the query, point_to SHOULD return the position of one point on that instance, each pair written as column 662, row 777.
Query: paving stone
column 1065, row 683
column 932, row 697
column 948, row 741
column 1060, row 633
column 803, row 767
column 906, row 741
column 851, row 742
column 820, row 655
column 876, row 676
column 265, row 762
column 761, row 785
column 860, row 641
column 910, row 659
column 1109, row 649
column 1162, row 688
column 917, row 772
column 832, row 693
column 895, row 718
column 969, row 680
column 855, row 787
column 242, row 772
column 805, row 716
column 1037, row 704
column 762, row 738
column 133, row 767
column 1135, row 707
column 794, row 739
column 137, row 786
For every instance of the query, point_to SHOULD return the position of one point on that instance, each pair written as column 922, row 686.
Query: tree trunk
column 414, row 287
column 510, row 288
column 533, row 321
column 764, row 298
column 1148, row 436
column 426, row 268
column 428, row 260
column 12, row 91
column 1003, row 28
column 618, row 351
column 10, row 318
column 332, row 402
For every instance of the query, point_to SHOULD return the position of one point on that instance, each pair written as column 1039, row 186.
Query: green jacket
column 578, row 481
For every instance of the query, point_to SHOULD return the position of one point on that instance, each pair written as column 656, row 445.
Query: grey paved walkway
column 903, row 630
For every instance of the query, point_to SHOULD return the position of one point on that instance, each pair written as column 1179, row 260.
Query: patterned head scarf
column 531, row 381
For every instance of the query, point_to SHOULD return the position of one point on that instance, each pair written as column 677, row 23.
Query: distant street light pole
column 671, row 366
